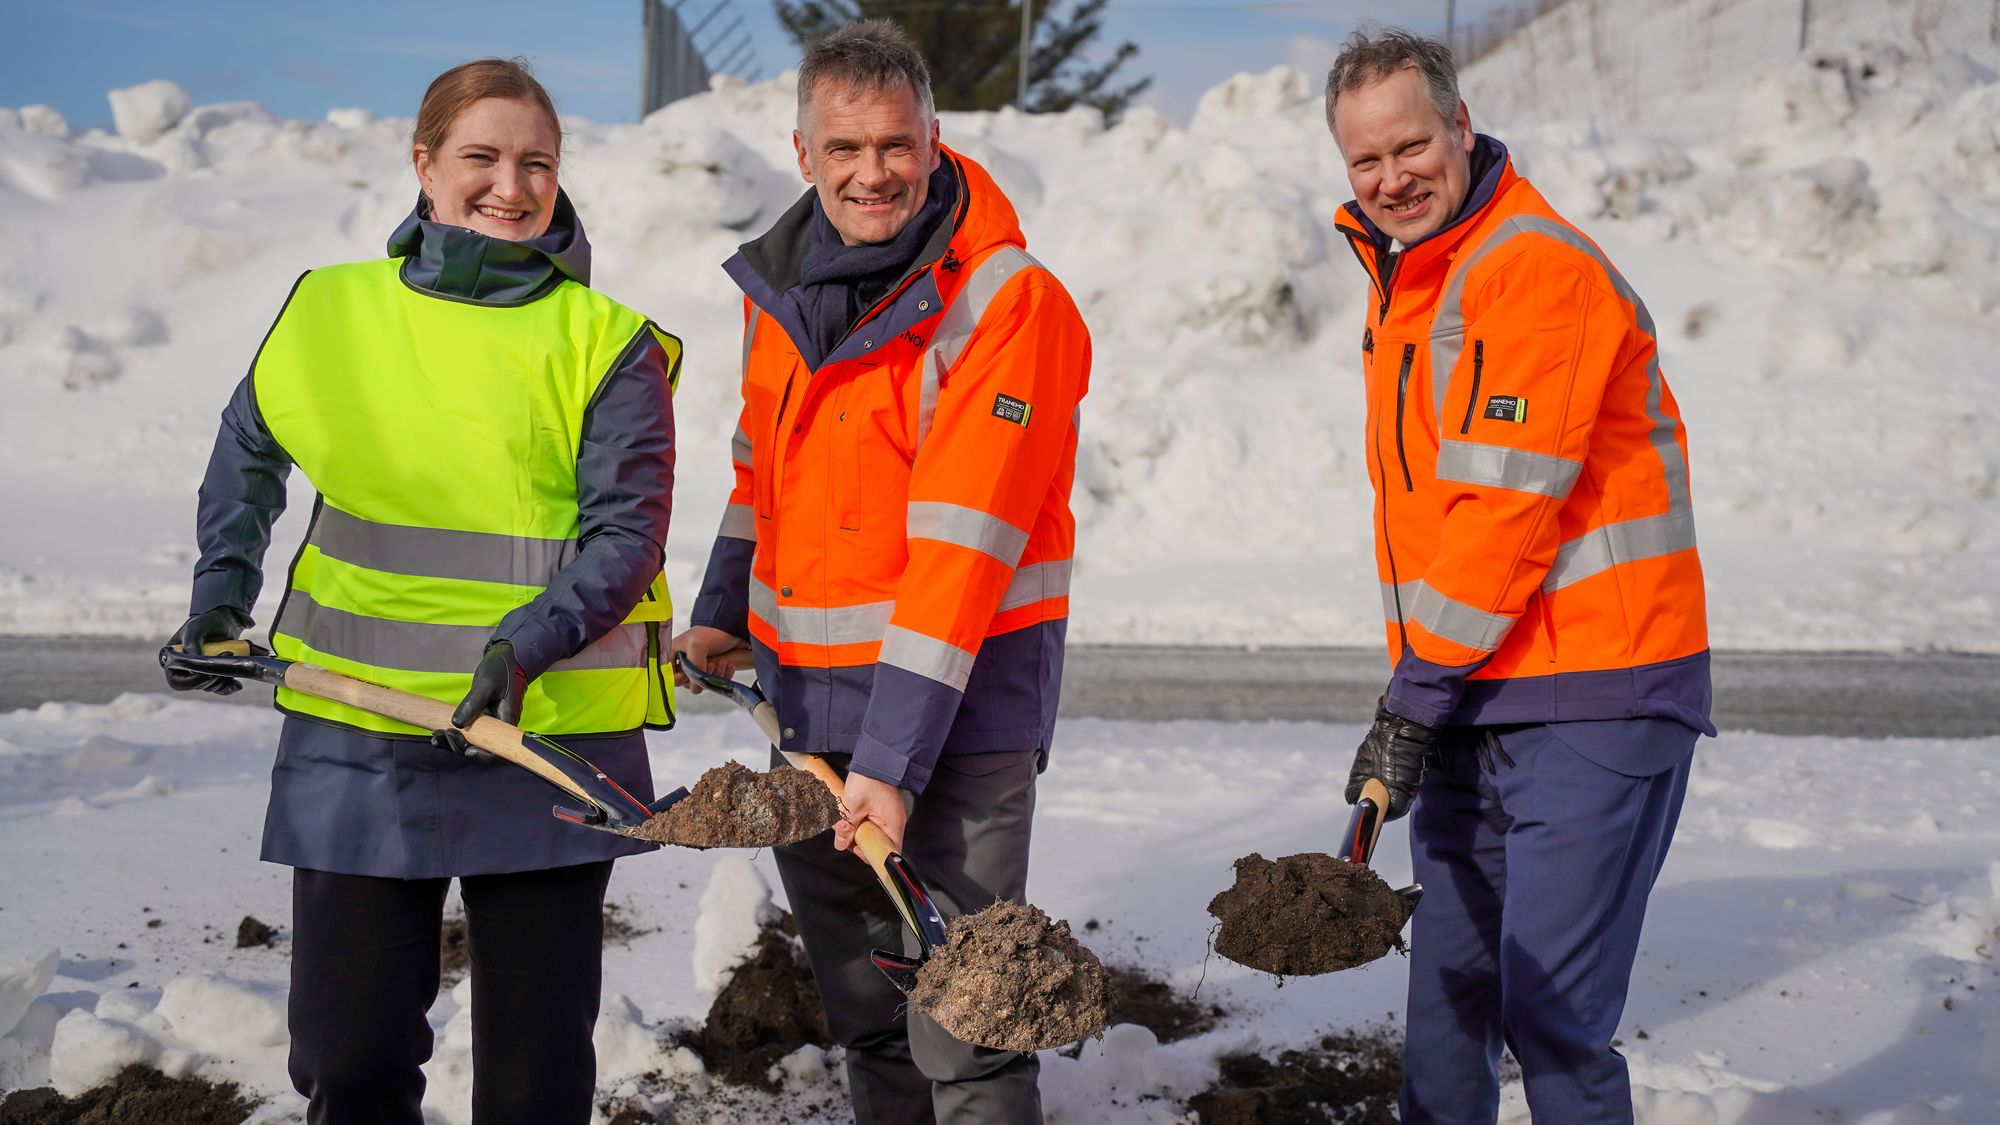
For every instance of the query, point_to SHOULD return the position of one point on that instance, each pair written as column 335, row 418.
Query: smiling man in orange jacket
column 897, row 546
column 1544, row 601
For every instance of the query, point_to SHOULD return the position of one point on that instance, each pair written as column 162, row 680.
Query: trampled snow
column 1815, row 237
column 1821, row 946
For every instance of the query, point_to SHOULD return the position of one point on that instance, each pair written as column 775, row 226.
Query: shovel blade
column 901, row 970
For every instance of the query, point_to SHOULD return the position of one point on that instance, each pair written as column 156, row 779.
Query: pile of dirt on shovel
column 1011, row 979
column 1306, row 914
column 734, row 806
column 137, row 1094
column 768, row 1009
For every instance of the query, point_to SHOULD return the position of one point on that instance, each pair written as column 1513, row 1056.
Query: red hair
column 451, row 92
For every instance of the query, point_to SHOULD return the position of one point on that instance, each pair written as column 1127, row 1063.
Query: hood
column 461, row 264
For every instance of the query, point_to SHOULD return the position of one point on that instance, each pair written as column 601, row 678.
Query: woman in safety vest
column 492, row 443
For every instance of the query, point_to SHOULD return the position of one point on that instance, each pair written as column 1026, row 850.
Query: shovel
column 1307, row 914
column 606, row 806
column 906, row 888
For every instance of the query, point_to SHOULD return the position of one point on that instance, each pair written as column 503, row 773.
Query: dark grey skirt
column 361, row 804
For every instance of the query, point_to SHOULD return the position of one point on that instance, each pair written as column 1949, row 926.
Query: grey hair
column 870, row 55
column 1370, row 55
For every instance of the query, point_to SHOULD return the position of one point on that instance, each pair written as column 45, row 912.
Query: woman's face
column 496, row 170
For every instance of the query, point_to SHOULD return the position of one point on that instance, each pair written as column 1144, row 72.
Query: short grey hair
column 1372, row 54
column 871, row 55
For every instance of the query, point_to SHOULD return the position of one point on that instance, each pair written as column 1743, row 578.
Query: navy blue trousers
column 1535, row 877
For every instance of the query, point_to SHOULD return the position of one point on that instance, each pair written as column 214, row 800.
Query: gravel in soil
column 734, row 806
column 1010, row 978
column 1307, row 914
column 137, row 1094
column 768, row 1009
column 1349, row 1078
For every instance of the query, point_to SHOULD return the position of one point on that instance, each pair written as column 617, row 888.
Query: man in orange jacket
column 897, row 546
column 1543, row 598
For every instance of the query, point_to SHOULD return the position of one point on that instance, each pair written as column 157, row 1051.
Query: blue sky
column 300, row 60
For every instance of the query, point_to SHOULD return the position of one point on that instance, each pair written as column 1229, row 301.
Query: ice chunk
column 220, row 1015
column 88, row 1051
column 146, row 111
column 46, row 120
column 22, row 979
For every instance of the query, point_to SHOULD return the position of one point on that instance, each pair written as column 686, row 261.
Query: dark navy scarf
column 838, row 282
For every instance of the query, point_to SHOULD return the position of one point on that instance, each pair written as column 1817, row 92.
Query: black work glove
column 205, row 628
column 497, row 686
column 1395, row 751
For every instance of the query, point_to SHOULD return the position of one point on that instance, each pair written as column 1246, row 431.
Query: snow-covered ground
column 1816, row 237
column 1821, row 947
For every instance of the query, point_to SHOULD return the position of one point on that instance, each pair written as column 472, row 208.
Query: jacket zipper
column 1471, row 404
column 1389, row 546
column 1403, row 386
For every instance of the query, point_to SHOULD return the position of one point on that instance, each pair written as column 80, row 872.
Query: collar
column 465, row 265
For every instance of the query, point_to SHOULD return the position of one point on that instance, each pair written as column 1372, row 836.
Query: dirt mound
column 137, row 1094
column 1011, row 979
column 734, row 806
column 1306, row 914
column 1138, row 997
column 769, row 1009
column 1346, row 1079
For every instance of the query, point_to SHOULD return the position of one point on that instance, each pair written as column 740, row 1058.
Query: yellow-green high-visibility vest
column 443, row 438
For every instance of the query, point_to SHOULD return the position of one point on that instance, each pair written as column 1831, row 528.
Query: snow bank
column 21, row 982
column 735, row 908
column 1814, row 234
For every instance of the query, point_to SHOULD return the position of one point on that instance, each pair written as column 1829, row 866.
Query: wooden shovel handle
column 502, row 740
column 1374, row 790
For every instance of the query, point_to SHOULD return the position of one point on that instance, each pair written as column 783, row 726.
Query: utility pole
column 1027, row 33
column 1805, row 21
column 1450, row 25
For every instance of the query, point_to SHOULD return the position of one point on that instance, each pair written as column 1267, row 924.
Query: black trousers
column 365, row 972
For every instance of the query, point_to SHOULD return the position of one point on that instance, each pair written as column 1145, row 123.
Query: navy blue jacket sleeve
column 241, row 496
column 624, row 489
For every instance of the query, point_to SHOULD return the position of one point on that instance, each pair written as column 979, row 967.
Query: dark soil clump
column 734, row 806
column 1307, row 914
column 1351, row 1078
column 769, row 1009
column 1011, row 979
column 620, row 930
column 251, row 933
column 137, row 1094
column 1152, row 1004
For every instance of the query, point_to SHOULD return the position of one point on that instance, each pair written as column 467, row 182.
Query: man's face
column 869, row 154
column 1409, row 167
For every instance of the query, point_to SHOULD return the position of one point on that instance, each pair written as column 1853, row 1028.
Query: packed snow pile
column 1836, row 962
column 1819, row 255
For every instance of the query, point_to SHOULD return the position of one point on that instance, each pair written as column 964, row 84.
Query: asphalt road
column 1874, row 695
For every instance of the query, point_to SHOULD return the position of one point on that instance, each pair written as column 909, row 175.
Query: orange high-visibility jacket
column 1533, row 522
column 898, row 542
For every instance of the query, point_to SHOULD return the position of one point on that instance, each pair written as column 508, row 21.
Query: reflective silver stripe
column 1475, row 463
column 1036, row 582
column 739, row 521
column 928, row 657
column 739, row 448
column 967, row 527
column 1407, row 593
column 1454, row 620
column 417, row 646
column 749, row 338
column 1601, row 548
column 811, row 625
column 1597, row 550
column 955, row 328
column 432, row 552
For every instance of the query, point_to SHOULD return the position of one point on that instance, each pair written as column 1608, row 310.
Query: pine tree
column 973, row 48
